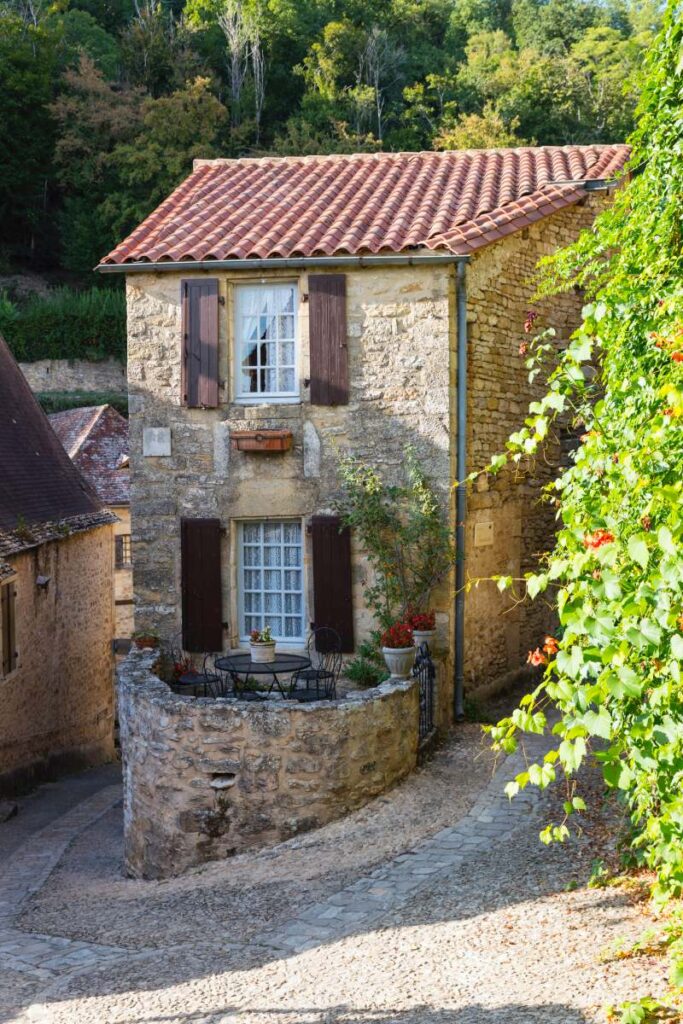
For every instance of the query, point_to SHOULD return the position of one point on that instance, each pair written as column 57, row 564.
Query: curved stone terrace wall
column 205, row 778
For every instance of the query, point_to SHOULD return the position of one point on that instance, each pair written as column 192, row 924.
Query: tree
column 479, row 131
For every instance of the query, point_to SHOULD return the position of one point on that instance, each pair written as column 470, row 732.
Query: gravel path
column 434, row 904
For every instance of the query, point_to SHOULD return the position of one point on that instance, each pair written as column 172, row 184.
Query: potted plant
column 145, row 638
column 424, row 626
column 262, row 645
column 398, row 649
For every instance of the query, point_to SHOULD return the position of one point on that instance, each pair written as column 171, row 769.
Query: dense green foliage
column 58, row 401
column 616, row 671
column 66, row 324
column 106, row 103
column 403, row 532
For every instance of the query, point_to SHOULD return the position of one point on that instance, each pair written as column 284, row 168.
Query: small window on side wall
column 122, row 549
column 266, row 342
column 8, row 654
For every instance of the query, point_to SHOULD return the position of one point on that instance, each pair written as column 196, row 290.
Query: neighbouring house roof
column 42, row 494
column 363, row 203
column 96, row 439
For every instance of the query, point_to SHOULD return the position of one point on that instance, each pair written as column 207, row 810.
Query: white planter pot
column 399, row 660
column 262, row 652
column 422, row 636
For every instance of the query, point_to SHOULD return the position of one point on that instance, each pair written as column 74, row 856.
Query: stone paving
column 467, row 926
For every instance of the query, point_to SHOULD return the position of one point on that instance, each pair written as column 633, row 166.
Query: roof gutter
column 283, row 263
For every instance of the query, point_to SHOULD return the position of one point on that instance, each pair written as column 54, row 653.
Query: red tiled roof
column 96, row 439
column 364, row 203
column 42, row 496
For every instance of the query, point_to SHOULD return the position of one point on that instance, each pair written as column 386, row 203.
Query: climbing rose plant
column 616, row 572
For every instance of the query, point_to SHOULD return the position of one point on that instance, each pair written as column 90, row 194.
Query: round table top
column 281, row 663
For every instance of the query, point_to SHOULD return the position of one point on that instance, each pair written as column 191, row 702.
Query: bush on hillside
column 66, row 324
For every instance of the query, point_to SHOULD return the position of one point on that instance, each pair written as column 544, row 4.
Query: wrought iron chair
column 319, row 682
column 204, row 682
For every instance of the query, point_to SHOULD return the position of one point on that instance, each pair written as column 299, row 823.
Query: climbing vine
column 616, row 572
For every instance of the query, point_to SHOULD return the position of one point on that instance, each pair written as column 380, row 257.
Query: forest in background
column 107, row 102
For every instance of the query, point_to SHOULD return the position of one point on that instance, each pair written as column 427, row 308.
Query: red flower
column 593, row 541
column 531, row 316
column 677, row 357
column 398, row 636
column 537, row 657
column 551, row 646
column 421, row 621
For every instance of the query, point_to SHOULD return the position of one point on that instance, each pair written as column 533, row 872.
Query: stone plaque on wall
column 156, row 441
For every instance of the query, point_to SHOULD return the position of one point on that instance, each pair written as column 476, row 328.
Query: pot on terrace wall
column 262, row 653
column 424, row 636
column 399, row 661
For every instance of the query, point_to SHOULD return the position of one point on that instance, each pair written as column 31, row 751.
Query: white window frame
column 295, row 643
column 264, row 397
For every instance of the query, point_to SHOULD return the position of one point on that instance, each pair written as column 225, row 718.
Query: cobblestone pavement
column 467, row 926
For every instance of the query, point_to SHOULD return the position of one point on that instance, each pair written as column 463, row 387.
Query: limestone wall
column 508, row 526
column 75, row 375
column 204, row 779
column 56, row 707
column 400, row 340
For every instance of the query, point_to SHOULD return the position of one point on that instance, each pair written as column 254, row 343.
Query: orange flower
column 593, row 541
column 537, row 657
column 677, row 357
column 551, row 646
column 679, row 620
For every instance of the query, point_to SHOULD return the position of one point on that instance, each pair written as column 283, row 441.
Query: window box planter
column 399, row 661
column 261, row 440
column 262, row 652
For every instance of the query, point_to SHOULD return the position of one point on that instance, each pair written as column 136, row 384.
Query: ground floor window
column 122, row 551
column 271, row 585
column 8, row 653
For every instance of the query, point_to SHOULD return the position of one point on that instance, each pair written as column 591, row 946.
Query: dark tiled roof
column 43, row 496
column 96, row 439
column 364, row 203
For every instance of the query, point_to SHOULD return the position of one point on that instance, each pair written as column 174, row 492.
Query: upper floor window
column 265, row 332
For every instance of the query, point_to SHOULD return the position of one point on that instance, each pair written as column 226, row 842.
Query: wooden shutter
column 201, row 584
column 332, row 586
column 7, row 628
column 200, row 343
column 327, row 332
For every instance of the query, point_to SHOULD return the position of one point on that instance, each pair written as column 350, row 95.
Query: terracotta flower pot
column 399, row 661
column 262, row 652
column 146, row 641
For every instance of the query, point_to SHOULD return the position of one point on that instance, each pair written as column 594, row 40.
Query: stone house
column 282, row 310
column 56, row 607
column 96, row 440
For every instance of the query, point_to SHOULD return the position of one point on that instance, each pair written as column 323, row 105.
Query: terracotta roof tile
column 363, row 203
column 96, row 439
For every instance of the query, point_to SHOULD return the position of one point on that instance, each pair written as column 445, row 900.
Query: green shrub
column 368, row 668
column 66, row 324
column 58, row 401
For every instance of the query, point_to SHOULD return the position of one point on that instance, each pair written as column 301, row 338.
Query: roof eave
column 282, row 262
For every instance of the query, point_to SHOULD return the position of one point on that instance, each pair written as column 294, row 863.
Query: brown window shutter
column 201, row 584
column 327, row 332
column 332, row 584
column 200, row 343
column 7, row 625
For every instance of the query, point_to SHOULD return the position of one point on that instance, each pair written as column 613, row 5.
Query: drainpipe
column 461, row 495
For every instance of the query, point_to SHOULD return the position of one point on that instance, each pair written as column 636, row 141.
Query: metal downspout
column 461, row 495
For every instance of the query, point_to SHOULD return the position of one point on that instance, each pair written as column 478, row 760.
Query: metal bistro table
column 241, row 665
